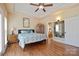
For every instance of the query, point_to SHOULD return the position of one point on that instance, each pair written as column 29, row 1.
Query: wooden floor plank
column 42, row 49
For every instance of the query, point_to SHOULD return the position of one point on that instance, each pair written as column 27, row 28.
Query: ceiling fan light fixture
column 41, row 6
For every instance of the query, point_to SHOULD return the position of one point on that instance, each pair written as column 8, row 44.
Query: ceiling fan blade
column 48, row 5
column 44, row 10
column 36, row 9
column 41, row 4
column 34, row 4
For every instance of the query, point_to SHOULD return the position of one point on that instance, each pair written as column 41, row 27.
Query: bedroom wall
column 46, row 20
column 67, row 13
column 16, row 20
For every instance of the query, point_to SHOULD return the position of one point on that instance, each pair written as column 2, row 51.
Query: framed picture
column 26, row 22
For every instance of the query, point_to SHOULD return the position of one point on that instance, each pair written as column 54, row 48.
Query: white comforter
column 30, row 38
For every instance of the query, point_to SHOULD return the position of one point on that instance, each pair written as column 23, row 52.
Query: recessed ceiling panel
column 26, row 8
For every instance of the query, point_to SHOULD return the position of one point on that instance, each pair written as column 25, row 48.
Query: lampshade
column 12, row 30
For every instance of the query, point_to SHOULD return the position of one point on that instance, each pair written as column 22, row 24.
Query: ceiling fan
column 41, row 6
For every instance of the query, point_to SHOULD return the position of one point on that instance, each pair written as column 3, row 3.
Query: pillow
column 31, row 31
column 24, row 31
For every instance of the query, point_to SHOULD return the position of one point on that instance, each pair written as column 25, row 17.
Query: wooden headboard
column 19, row 31
column 40, row 28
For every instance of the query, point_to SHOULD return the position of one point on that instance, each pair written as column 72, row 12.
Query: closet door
column 72, row 31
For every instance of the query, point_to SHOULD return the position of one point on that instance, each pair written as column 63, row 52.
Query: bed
column 26, row 36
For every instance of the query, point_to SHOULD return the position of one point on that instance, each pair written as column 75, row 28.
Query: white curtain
column 5, row 22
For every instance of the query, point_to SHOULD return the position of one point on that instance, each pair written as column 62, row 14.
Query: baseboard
column 72, row 44
column 67, row 43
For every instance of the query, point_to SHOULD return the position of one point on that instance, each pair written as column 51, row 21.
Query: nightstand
column 12, row 38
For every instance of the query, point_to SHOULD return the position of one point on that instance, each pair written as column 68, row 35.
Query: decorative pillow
column 31, row 31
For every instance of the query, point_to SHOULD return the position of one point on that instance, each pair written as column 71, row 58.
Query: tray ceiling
column 26, row 8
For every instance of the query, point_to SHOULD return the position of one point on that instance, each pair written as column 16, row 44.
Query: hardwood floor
column 44, row 48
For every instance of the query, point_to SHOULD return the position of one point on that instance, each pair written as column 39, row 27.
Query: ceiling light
column 58, row 18
column 41, row 6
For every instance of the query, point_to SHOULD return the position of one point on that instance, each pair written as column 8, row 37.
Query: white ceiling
column 28, row 9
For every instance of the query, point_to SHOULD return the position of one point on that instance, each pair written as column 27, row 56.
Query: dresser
column 50, row 34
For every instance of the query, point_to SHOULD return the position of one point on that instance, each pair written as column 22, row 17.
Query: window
column 59, row 29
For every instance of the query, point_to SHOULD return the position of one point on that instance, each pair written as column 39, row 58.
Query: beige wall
column 4, row 11
column 16, row 21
